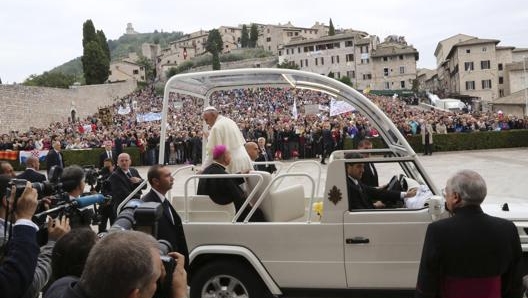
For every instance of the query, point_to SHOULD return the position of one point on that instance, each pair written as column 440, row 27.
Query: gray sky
column 37, row 35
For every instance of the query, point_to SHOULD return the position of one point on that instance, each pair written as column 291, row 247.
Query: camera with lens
column 91, row 175
column 144, row 216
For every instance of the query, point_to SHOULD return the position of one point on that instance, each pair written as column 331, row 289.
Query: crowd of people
column 258, row 112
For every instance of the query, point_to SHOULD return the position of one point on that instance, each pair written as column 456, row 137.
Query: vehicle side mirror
column 436, row 205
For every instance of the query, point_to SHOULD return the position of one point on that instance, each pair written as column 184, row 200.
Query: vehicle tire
column 224, row 279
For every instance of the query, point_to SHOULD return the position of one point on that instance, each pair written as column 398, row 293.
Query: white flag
column 340, row 107
column 294, row 109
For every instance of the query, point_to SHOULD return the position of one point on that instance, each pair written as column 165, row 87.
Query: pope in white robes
column 224, row 131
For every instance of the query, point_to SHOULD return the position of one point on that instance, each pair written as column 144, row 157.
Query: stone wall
column 22, row 107
column 247, row 63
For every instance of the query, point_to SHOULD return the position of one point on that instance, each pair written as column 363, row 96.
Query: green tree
column 214, row 46
column 95, row 64
column 0, row 81
column 96, row 55
column 50, row 79
column 101, row 38
column 345, row 80
column 244, row 40
column 88, row 32
column 253, row 36
column 288, row 64
column 331, row 29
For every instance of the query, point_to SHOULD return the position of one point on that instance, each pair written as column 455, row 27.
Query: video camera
column 144, row 216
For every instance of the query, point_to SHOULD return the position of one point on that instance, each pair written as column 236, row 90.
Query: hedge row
column 443, row 142
column 82, row 158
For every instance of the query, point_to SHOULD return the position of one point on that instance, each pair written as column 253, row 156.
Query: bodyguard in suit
column 224, row 191
column 54, row 157
column 31, row 173
column 265, row 155
column 370, row 175
column 123, row 181
column 470, row 254
column 108, row 154
column 170, row 225
column 360, row 195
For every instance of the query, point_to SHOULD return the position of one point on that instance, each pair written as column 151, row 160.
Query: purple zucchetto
column 218, row 151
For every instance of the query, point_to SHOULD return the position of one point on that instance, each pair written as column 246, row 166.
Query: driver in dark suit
column 360, row 195
column 170, row 226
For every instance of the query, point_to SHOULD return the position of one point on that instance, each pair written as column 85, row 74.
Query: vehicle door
column 383, row 247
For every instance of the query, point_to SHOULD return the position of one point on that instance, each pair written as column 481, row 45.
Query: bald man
column 31, row 173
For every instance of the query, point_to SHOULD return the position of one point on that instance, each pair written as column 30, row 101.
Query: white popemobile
column 310, row 243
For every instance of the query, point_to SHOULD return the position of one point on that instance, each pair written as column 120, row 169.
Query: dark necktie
column 128, row 175
column 167, row 209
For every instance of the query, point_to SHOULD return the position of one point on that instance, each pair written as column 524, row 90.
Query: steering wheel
column 394, row 184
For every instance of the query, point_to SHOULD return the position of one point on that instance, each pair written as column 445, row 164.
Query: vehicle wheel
column 222, row 279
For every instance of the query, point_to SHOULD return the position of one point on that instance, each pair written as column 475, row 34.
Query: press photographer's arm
column 21, row 251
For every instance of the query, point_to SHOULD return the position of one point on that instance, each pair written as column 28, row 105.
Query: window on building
column 367, row 76
column 337, row 45
column 364, row 49
column 287, row 51
column 351, row 74
column 337, row 59
column 501, row 80
column 289, row 34
column 486, row 84
column 298, row 49
column 280, row 53
column 485, row 64
column 402, row 84
column 470, row 85
column 301, row 63
column 268, row 30
column 385, row 58
column 349, row 57
column 322, row 60
column 386, row 85
column 338, row 74
column 468, row 66
column 332, row 59
column 135, row 71
column 268, row 39
column 296, row 33
column 143, row 77
column 349, row 43
column 306, row 62
column 386, row 71
column 401, row 57
column 269, row 48
column 316, row 63
column 468, row 51
column 501, row 92
column 365, row 61
column 500, row 66
column 402, row 69
column 109, row 72
column 484, row 49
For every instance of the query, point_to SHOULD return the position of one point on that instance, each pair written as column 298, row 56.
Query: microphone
column 88, row 200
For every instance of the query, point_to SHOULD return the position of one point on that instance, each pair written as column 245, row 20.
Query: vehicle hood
column 514, row 209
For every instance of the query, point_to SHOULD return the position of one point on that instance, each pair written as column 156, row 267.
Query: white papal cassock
column 225, row 131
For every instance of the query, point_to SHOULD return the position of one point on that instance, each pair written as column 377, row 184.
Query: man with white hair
column 224, row 131
column 470, row 254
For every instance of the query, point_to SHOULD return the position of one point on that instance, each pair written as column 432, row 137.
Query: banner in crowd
column 40, row 154
column 340, row 107
column 8, row 155
column 311, row 109
column 294, row 109
column 148, row 117
column 124, row 110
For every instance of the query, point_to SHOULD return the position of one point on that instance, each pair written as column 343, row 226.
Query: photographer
column 20, row 253
column 56, row 228
column 126, row 264
column 105, row 188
